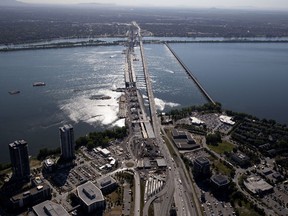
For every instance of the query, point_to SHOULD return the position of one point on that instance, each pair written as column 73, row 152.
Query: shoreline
column 157, row 40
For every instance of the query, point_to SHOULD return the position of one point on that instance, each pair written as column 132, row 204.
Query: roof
column 18, row 143
column 177, row 133
column 202, row 160
column 161, row 162
column 66, row 127
column 240, row 156
column 195, row 120
column 31, row 192
column 220, row 180
column 49, row 162
column 105, row 181
column 50, row 209
column 105, row 151
column 89, row 193
column 256, row 184
column 226, row 119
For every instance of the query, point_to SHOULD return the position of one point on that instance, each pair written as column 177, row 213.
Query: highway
column 174, row 173
column 168, row 190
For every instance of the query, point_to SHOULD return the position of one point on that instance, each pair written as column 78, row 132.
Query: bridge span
column 190, row 74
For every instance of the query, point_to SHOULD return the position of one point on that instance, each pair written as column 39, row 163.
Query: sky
column 272, row 4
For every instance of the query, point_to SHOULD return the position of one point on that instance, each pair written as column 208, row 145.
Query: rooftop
column 66, row 127
column 161, row 162
column 50, row 209
column 31, row 192
column 89, row 193
column 105, row 181
column 220, row 180
column 197, row 121
column 202, row 160
column 17, row 143
column 256, row 184
column 226, row 119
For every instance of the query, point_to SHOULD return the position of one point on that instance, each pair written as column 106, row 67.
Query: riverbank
column 69, row 43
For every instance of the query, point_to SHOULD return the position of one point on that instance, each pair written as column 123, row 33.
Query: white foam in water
column 160, row 104
column 170, row 71
column 83, row 109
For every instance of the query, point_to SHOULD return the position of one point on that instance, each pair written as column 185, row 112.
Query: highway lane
column 166, row 204
column 168, row 190
column 191, row 198
column 137, row 195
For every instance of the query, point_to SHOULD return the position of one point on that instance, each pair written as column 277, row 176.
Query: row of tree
column 101, row 138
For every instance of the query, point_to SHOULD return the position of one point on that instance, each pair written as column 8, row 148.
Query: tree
column 213, row 139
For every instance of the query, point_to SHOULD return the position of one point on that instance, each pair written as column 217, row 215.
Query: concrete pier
column 190, row 74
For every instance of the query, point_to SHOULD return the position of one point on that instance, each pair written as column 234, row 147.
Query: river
column 246, row 77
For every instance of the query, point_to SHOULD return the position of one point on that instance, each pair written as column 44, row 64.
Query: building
column 178, row 134
column 107, row 184
column 219, row 182
column 183, row 140
column 161, row 163
column 67, row 142
column 257, row 185
column 105, row 152
column 90, row 196
column 20, row 160
column 48, row 208
column 241, row 159
column 226, row 120
column 201, row 167
column 32, row 196
column 196, row 121
column 49, row 165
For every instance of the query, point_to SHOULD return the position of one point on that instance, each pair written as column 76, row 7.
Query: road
column 174, row 173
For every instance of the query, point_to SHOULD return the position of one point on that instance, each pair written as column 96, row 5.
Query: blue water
column 246, row 77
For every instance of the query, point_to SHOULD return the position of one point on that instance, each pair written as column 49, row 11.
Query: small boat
column 14, row 92
column 99, row 97
column 39, row 84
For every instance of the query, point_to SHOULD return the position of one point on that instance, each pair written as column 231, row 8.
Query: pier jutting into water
column 188, row 71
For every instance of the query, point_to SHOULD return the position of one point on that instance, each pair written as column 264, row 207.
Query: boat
column 14, row 92
column 99, row 97
column 39, row 84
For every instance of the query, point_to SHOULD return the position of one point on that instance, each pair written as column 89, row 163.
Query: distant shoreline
column 150, row 40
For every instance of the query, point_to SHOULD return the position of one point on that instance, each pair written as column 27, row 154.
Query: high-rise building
column 19, row 159
column 67, row 142
column 201, row 167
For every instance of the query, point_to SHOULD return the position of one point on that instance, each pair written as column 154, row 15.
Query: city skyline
column 254, row 4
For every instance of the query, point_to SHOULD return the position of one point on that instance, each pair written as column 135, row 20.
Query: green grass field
column 222, row 147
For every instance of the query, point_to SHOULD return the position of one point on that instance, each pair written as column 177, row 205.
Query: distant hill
column 11, row 3
column 96, row 4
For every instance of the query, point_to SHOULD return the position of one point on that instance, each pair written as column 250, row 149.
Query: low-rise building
column 48, row 208
column 90, row 196
column 183, row 140
column 226, row 119
column 32, row 196
column 196, row 121
column 257, row 185
column 161, row 163
column 105, row 152
column 240, row 159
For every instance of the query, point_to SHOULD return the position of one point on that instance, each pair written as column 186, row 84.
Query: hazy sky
column 282, row 4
